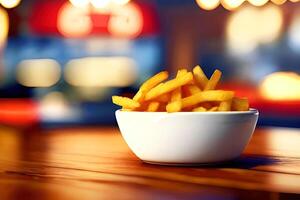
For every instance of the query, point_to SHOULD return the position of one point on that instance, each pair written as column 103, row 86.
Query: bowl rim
column 250, row 111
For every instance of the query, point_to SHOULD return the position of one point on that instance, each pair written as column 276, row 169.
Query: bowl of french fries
column 185, row 120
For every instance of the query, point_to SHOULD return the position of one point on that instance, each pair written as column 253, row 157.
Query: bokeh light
column 101, row 3
column 101, row 72
column 232, row 4
column 38, row 72
column 208, row 4
column 120, row 2
column 241, row 38
column 55, row 106
column 10, row 3
column 80, row 3
column 4, row 27
column 278, row 2
column 281, row 86
column 73, row 21
column 126, row 21
column 271, row 22
column 251, row 26
column 258, row 2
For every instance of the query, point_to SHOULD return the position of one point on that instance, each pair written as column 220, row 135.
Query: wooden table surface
column 95, row 163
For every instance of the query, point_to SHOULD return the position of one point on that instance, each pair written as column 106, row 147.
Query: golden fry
column 169, row 86
column 213, row 81
column 240, row 104
column 127, row 110
column 181, row 72
column 225, row 105
column 154, row 81
column 199, row 76
column 189, row 91
column 125, row 102
column 164, row 98
column 176, row 94
column 193, row 89
column 210, row 95
column 174, row 107
column 143, row 106
column 149, row 84
column 138, row 96
column 199, row 109
column 153, row 106
column 213, row 109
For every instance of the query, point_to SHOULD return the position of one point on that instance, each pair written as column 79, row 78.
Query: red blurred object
column 44, row 19
column 18, row 112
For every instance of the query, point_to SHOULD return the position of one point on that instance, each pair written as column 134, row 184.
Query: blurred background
column 61, row 60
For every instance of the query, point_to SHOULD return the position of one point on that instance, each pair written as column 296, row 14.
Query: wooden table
column 95, row 163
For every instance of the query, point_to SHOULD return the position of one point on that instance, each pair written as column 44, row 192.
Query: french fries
column 164, row 98
column 149, row 84
column 225, row 105
column 169, row 86
column 200, row 77
column 125, row 102
column 191, row 89
column 176, row 95
column 213, row 81
column 213, row 109
column 199, row 109
column 181, row 72
column 174, row 106
column 207, row 96
column 187, row 92
column 153, row 106
column 240, row 104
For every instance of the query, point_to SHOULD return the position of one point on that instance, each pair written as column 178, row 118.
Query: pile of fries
column 188, row 91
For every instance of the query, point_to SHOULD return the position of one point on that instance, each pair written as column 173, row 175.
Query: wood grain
column 95, row 163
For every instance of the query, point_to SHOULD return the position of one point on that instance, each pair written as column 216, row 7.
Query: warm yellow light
column 80, row 3
column 4, row 26
column 231, row 4
column 258, row 2
column 10, row 3
column 271, row 22
column 208, row 4
column 250, row 26
column 101, row 72
column 281, row 86
column 278, row 2
column 126, row 21
column 120, row 2
column 73, row 21
column 101, row 3
column 294, row 1
column 38, row 72
column 241, row 31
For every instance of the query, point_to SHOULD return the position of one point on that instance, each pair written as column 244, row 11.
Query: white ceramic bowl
column 187, row 137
